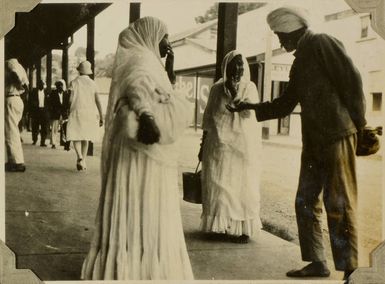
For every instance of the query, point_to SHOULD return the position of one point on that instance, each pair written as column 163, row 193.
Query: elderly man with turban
column 324, row 81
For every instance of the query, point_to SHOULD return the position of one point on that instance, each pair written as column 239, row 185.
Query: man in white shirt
column 16, row 83
column 38, row 107
column 58, row 110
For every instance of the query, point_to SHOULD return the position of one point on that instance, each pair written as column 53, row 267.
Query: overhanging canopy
column 46, row 27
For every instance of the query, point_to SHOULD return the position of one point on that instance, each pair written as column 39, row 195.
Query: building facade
column 195, row 53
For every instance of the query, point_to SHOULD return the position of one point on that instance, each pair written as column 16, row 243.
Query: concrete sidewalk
column 50, row 213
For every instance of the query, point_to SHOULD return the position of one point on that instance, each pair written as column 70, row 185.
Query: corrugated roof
column 252, row 31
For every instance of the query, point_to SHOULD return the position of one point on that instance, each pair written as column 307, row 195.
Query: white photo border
column 373, row 274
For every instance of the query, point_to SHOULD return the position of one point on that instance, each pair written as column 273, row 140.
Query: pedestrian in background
column 58, row 110
column 16, row 83
column 83, row 120
column 327, row 85
column 38, row 109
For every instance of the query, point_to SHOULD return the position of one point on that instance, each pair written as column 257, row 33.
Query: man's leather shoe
column 314, row 269
column 10, row 167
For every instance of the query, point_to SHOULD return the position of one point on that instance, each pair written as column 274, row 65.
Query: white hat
column 13, row 65
column 85, row 68
column 288, row 19
column 62, row 82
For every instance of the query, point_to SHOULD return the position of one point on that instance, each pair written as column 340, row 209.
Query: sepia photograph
column 192, row 140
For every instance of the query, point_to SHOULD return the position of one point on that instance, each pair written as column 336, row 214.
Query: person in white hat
column 324, row 81
column 16, row 83
column 83, row 120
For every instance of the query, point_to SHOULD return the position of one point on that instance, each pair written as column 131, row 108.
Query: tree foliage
column 81, row 52
column 212, row 12
column 103, row 67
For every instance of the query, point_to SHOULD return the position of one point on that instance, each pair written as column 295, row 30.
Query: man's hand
column 240, row 106
column 148, row 132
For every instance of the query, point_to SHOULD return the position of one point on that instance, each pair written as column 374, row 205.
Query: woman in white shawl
column 139, row 232
column 230, row 152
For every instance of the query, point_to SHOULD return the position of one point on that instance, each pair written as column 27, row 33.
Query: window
column 365, row 21
column 377, row 101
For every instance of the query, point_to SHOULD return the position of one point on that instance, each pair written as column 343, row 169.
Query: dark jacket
column 33, row 101
column 328, row 87
column 56, row 108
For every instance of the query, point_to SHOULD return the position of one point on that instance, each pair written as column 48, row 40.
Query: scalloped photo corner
column 195, row 47
column 8, row 10
column 9, row 274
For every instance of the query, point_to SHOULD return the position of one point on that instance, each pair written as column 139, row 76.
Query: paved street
column 50, row 211
column 279, row 183
column 281, row 162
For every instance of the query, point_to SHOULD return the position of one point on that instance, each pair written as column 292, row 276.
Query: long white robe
column 139, row 231
column 231, row 162
column 13, row 113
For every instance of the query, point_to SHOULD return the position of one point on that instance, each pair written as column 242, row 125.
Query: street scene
column 50, row 213
column 280, row 106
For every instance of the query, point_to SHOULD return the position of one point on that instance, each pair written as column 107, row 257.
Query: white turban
column 61, row 81
column 13, row 65
column 287, row 19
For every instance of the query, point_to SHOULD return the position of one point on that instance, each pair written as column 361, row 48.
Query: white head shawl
column 288, row 19
column 137, row 58
column 138, row 69
column 13, row 65
column 246, row 71
column 63, row 84
column 145, row 33
column 232, row 129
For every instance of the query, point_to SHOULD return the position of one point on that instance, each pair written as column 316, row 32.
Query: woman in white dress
column 83, row 120
column 230, row 155
column 139, row 232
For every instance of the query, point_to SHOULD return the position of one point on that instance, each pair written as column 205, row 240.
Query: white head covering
column 63, row 83
column 145, row 33
column 13, row 65
column 246, row 72
column 231, row 127
column 137, row 58
column 85, row 68
column 288, row 19
column 137, row 70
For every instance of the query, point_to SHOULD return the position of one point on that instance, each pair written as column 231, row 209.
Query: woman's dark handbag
column 192, row 187
column 368, row 143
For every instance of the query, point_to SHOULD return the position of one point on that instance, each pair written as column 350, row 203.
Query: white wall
column 188, row 55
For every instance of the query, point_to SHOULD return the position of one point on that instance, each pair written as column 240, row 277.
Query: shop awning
column 46, row 27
